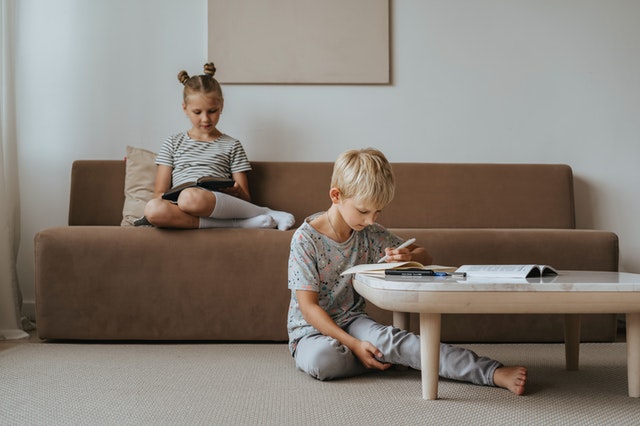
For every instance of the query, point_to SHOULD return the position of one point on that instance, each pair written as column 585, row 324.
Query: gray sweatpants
column 325, row 358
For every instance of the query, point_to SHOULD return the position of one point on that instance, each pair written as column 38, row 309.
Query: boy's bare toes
column 511, row 378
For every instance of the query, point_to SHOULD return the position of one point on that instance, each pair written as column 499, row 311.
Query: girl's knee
column 196, row 201
column 153, row 210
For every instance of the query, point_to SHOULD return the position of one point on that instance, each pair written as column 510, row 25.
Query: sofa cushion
column 139, row 183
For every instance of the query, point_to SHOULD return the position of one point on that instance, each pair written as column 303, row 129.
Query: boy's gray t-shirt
column 315, row 264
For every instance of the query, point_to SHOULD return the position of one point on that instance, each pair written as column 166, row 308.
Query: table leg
column 572, row 341
column 429, row 354
column 401, row 320
column 633, row 354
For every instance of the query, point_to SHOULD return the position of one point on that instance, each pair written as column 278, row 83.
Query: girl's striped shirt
column 192, row 159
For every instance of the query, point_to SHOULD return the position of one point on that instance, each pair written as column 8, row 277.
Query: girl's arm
column 241, row 188
column 321, row 321
column 163, row 180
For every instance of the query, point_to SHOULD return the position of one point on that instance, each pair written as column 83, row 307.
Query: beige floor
column 133, row 384
column 33, row 338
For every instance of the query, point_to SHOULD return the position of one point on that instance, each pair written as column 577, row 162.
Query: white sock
column 283, row 219
column 261, row 221
column 230, row 207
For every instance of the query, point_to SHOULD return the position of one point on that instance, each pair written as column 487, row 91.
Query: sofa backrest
column 97, row 192
column 435, row 195
column 428, row 195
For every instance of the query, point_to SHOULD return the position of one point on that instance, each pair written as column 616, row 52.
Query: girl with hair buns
column 205, row 151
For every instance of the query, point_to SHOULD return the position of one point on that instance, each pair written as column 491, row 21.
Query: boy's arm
column 321, row 321
column 420, row 254
column 413, row 252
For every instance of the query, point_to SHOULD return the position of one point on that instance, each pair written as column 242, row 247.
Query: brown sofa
column 97, row 280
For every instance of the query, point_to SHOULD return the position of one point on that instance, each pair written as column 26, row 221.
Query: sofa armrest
column 109, row 282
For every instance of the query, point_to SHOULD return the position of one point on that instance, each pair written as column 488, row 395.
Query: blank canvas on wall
column 300, row 41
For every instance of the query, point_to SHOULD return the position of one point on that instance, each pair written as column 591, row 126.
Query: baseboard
column 29, row 309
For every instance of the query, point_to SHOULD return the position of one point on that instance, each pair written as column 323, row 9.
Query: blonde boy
column 330, row 335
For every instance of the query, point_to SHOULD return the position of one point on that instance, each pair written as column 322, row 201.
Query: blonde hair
column 204, row 83
column 364, row 175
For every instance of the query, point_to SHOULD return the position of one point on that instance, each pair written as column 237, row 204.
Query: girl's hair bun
column 202, row 83
column 210, row 69
column 183, row 77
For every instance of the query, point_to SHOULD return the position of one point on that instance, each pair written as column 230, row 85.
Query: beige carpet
column 254, row 384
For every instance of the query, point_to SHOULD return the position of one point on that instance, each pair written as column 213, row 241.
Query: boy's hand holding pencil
column 386, row 257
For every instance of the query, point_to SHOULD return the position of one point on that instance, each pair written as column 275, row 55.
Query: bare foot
column 511, row 378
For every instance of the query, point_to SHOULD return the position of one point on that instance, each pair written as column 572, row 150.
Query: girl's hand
column 369, row 355
column 241, row 188
column 234, row 190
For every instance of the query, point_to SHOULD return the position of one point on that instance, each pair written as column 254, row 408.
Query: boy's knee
column 327, row 362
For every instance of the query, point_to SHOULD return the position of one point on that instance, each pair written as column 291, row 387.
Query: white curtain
column 10, row 299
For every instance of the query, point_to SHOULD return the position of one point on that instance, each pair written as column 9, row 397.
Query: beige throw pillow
column 139, row 182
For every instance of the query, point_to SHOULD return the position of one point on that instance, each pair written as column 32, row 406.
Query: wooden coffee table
column 571, row 293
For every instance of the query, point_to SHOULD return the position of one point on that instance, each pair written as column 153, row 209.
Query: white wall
column 492, row 81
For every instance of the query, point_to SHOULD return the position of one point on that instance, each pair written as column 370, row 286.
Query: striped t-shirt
column 192, row 159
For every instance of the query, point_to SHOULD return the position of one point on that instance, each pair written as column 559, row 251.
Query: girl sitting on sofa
column 205, row 151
